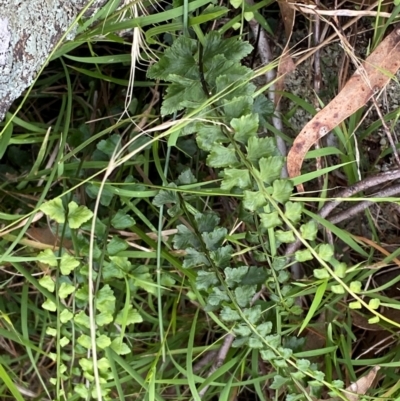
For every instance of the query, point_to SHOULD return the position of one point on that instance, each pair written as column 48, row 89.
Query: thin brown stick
column 360, row 186
column 363, row 185
column 354, row 210
column 311, row 9
column 207, row 358
column 225, row 347
column 330, row 38
column 317, row 56
column 221, row 356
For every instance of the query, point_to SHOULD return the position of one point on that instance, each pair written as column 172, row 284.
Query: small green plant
column 91, row 327
column 170, row 276
column 210, row 84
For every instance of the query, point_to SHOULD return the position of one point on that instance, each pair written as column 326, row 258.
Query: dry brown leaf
column 316, row 334
column 369, row 79
column 288, row 14
column 44, row 235
column 379, row 248
column 362, row 385
column 286, row 66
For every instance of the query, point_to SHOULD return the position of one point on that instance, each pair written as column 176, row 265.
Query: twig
column 20, row 223
column 312, row 9
column 317, row 56
column 360, row 186
column 221, row 356
column 352, row 211
column 363, row 185
column 333, row 35
column 207, row 358
column 225, row 347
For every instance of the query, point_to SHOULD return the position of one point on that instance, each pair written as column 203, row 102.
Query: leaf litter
column 368, row 80
column 362, row 385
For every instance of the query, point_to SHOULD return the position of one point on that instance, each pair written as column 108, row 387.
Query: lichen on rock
column 29, row 30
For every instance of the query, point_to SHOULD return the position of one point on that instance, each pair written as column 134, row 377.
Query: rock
column 29, row 31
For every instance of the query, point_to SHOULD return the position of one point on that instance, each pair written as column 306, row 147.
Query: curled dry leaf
column 362, row 385
column 369, row 79
column 358, row 388
column 45, row 238
column 288, row 15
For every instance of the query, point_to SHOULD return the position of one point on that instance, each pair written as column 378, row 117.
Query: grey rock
column 29, row 30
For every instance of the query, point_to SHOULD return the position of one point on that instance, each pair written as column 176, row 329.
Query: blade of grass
column 5, row 139
column 132, row 373
column 343, row 235
column 317, row 173
column 9, row 383
column 319, row 294
column 25, row 333
column 189, row 359
column 120, row 391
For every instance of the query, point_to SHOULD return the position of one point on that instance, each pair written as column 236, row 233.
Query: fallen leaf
column 362, row 385
column 371, row 77
column 44, row 236
column 379, row 248
column 288, row 14
column 286, row 66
